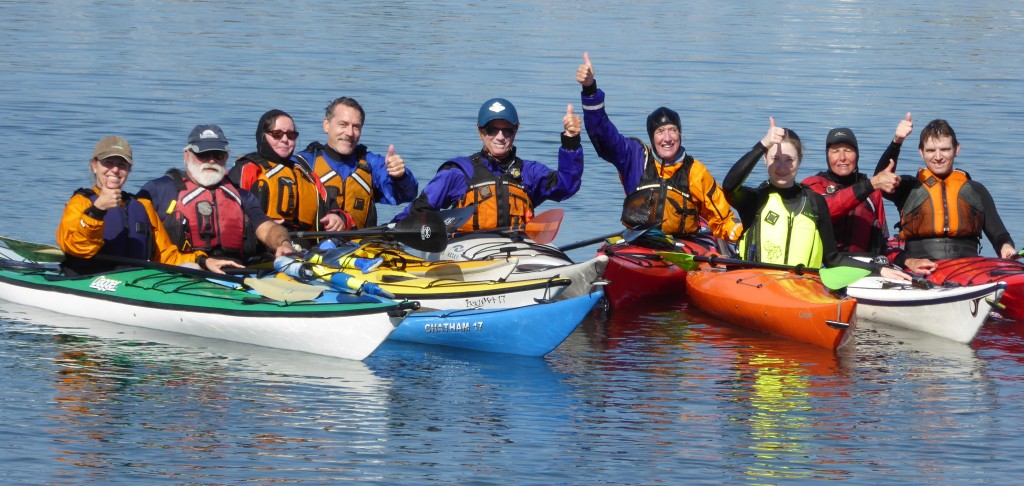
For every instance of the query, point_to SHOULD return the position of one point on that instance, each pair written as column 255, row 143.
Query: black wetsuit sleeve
column 891, row 152
column 742, row 198
column 995, row 230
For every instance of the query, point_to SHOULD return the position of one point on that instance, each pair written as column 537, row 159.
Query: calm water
column 658, row 395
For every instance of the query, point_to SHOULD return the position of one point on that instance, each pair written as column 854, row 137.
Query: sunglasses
column 218, row 155
column 278, row 134
column 492, row 131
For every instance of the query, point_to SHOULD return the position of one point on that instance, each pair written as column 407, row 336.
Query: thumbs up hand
column 394, row 162
column 573, row 125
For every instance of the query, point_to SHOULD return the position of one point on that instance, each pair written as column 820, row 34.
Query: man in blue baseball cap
column 504, row 189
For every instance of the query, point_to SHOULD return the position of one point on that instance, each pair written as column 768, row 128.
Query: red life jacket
column 211, row 220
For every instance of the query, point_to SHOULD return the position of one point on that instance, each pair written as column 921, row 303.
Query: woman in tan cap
column 106, row 220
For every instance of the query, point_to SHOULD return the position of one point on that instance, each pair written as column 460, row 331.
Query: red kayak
column 979, row 270
column 637, row 274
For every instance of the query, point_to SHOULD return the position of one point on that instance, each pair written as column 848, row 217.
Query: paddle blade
column 544, row 227
column 681, row 260
column 630, row 234
column 423, row 230
column 36, row 252
column 455, row 218
column 836, row 278
column 284, row 290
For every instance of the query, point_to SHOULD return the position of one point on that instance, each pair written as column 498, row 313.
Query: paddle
column 544, row 227
column 421, row 230
column 628, row 236
column 456, row 217
column 38, row 251
column 832, row 277
column 275, row 289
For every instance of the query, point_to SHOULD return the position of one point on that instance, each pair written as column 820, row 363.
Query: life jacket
column 667, row 201
column 127, row 232
column 288, row 192
column 863, row 229
column 948, row 208
column 354, row 194
column 778, row 236
column 211, row 220
column 501, row 201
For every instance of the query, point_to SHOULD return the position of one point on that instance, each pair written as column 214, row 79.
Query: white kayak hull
column 955, row 313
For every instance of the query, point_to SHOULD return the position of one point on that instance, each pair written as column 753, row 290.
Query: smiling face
column 110, row 173
column 498, row 137
column 783, row 161
column 343, row 128
column 666, row 140
column 842, row 159
column 938, row 154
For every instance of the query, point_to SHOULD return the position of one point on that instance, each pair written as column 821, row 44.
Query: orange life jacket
column 355, row 193
column 501, row 201
column 942, row 208
column 292, row 193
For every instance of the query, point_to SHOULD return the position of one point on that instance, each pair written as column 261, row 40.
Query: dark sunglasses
column 218, row 155
column 492, row 131
column 277, row 134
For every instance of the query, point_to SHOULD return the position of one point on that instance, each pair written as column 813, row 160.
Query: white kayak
column 955, row 313
column 533, row 260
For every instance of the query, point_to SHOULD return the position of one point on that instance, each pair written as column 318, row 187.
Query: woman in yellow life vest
column 784, row 222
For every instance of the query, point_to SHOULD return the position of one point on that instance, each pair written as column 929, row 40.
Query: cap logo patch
column 497, row 107
column 208, row 134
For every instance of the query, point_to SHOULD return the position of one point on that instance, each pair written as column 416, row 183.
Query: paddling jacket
column 290, row 191
column 452, row 185
column 857, row 211
column 500, row 200
column 635, row 161
column 662, row 198
column 130, row 230
column 783, row 234
column 356, row 183
column 220, row 221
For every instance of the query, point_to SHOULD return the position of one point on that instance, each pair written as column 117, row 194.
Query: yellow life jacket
column 779, row 236
column 942, row 208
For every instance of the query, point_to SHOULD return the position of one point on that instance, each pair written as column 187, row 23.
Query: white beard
column 197, row 172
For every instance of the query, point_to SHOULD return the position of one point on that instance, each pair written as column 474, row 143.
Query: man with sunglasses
column 503, row 188
column 355, row 178
column 288, row 190
column 663, row 183
column 203, row 210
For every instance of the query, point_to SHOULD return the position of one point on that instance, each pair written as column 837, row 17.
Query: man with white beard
column 202, row 210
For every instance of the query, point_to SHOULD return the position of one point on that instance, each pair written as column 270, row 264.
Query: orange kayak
column 774, row 301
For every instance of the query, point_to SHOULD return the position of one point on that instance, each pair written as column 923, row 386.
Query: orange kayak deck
column 777, row 302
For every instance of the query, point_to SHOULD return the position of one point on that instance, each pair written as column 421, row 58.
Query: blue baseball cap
column 205, row 138
column 497, row 109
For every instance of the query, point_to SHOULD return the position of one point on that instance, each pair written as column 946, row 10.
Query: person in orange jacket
column 106, row 220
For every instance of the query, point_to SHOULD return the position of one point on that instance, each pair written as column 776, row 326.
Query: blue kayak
column 532, row 330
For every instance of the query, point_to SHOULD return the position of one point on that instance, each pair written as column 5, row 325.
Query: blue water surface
column 658, row 394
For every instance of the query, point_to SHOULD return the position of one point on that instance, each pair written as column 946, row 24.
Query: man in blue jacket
column 504, row 189
column 354, row 177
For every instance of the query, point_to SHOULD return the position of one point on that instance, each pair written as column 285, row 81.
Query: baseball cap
column 205, row 138
column 113, row 146
column 841, row 135
column 497, row 109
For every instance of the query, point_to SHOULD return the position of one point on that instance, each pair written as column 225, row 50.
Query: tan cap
column 113, row 146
